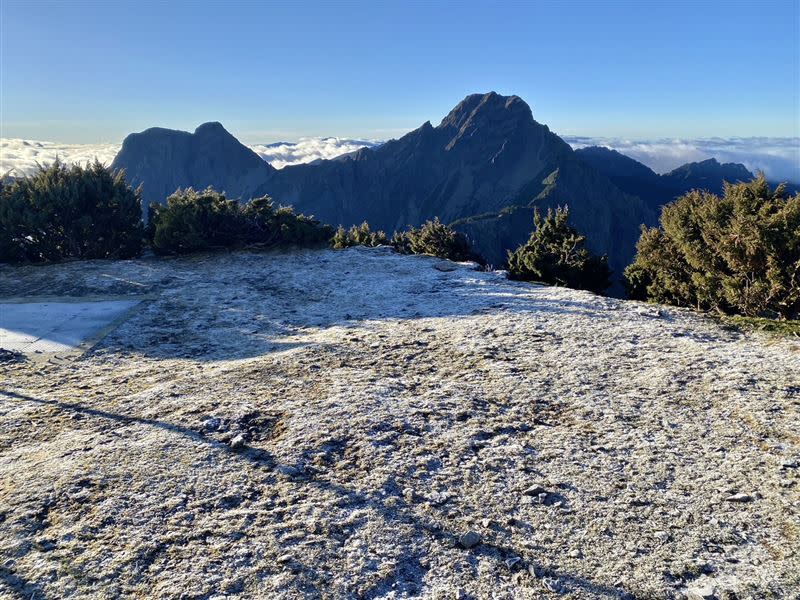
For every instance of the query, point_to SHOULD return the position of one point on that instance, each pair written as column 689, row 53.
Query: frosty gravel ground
column 330, row 424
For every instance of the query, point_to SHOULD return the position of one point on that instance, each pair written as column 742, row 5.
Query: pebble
column 445, row 266
column 575, row 553
column 535, row 490
column 238, row 441
column 469, row 539
column 552, row 585
column 510, row 562
column 705, row 592
column 739, row 498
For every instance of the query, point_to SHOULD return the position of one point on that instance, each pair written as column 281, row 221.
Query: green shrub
column 192, row 221
column 358, row 235
column 63, row 212
column 434, row 238
column 736, row 254
column 556, row 254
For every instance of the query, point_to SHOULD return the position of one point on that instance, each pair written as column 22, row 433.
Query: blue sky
column 95, row 71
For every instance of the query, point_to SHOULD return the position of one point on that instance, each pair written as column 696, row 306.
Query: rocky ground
column 358, row 424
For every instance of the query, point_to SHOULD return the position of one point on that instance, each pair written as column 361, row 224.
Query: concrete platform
column 59, row 326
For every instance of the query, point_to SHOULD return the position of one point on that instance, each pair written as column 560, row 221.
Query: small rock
column 238, row 441
column 444, row 266
column 552, row 585
column 535, row 571
column 511, row 562
column 469, row 539
column 739, row 498
column 705, row 592
column 486, row 523
column 574, row 553
column 211, row 424
column 284, row 559
column 535, row 490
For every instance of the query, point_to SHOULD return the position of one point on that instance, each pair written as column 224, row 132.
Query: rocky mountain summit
column 361, row 424
column 163, row 160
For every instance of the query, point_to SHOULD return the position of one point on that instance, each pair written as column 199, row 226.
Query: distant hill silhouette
column 656, row 190
column 163, row 160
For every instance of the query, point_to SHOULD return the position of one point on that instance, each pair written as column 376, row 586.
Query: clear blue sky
column 94, row 71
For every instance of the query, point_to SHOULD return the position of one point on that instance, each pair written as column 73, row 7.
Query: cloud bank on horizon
column 779, row 158
column 20, row 157
column 306, row 150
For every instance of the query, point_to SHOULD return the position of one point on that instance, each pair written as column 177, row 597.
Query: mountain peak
column 212, row 127
column 486, row 107
column 712, row 168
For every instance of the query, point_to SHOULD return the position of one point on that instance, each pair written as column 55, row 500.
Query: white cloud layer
column 779, row 158
column 19, row 157
column 306, row 150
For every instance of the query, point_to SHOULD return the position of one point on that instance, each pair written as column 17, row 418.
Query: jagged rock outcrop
column 162, row 160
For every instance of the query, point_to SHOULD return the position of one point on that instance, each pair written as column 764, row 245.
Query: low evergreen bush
column 63, row 212
column 358, row 235
column 556, row 254
column 735, row 254
column 437, row 239
column 191, row 221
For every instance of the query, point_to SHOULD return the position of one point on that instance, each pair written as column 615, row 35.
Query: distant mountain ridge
column 633, row 177
column 485, row 168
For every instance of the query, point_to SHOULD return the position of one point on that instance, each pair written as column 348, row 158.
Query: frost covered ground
column 341, row 424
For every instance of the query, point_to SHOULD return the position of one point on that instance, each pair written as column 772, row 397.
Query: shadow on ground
column 407, row 577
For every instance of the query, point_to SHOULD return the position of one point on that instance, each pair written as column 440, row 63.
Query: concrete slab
column 53, row 327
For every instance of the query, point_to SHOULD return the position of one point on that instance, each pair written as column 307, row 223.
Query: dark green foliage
column 192, row 221
column 739, row 253
column 434, row 238
column 65, row 212
column 358, row 235
column 556, row 254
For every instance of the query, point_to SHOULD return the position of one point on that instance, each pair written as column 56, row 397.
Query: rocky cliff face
column 162, row 160
column 484, row 167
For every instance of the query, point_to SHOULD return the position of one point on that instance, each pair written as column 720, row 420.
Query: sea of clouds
column 20, row 157
column 779, row 158
column 306, row 150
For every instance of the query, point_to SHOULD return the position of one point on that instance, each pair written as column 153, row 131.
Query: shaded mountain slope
column 633, row 177
column 487, row 157
column 162, row 160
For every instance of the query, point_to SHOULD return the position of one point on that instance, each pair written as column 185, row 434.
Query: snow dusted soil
column 329, row 424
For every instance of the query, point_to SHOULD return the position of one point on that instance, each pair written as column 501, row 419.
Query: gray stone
column 739, row 498
column 469, row 539
column 703, row 592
